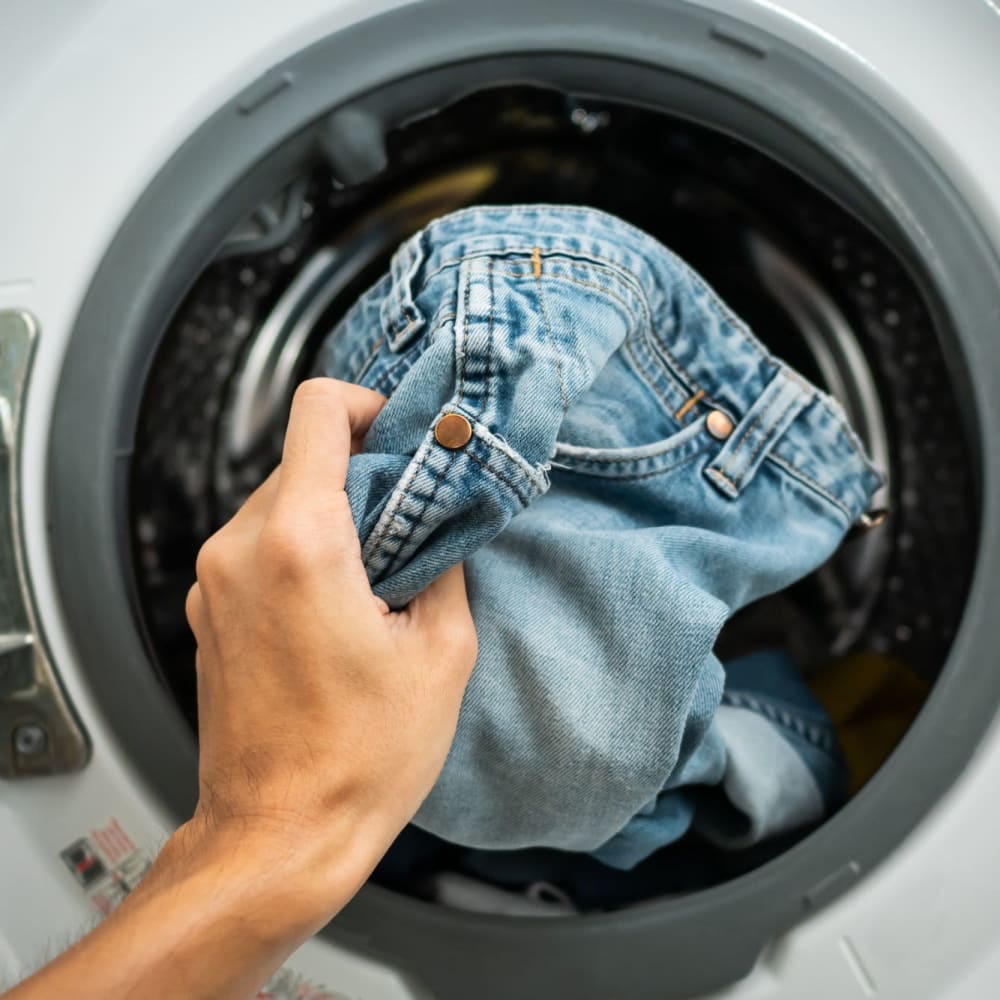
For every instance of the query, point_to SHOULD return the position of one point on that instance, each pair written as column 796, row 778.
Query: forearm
column 217, row 914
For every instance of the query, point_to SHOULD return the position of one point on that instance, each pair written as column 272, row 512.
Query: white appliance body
column 95, row 96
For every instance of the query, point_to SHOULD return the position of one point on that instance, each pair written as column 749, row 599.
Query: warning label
column 108, row 866
column 83, row 862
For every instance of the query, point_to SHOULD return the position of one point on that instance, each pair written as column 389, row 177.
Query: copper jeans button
column 719, row 425
column 453, row 431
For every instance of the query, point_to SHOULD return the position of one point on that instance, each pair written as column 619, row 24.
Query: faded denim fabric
column 607, row 532
column 769, row 764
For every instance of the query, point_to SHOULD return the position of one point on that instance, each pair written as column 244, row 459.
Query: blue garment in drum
column 638, row 467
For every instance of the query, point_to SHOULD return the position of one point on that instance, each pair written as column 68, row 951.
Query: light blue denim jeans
column 639, row 467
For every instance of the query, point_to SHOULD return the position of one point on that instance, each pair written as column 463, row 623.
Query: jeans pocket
column 655, row 458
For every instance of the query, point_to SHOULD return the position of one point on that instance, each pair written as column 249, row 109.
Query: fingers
column 440, row 615
column 327, row 417
column 309, row 527
column 361, row 405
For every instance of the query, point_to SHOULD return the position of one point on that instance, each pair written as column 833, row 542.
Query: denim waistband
column 701, row 354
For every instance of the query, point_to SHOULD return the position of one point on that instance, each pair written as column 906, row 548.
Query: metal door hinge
column 39, row 732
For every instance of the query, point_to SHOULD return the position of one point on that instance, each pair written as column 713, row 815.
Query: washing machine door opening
column 820, row 288
column 218, row 335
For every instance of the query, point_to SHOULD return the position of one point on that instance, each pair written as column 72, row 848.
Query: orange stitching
column 690, row 405
column 550, row 339
column 536, row 261
column 807, row 480
column 739, row 442
column 769, row 436
column 719, row 474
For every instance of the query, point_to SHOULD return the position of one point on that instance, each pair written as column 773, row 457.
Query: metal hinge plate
column 39, row 732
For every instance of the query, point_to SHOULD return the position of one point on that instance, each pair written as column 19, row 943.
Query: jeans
column 621, row 465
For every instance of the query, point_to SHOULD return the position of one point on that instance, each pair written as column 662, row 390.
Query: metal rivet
column 453, row 431
column 719, row 425
column 873, row 518
column 29, row 739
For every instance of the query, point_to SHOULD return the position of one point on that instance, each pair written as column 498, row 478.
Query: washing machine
column 190, row 195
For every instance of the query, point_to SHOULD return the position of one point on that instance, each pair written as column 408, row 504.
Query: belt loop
column 760, row 428
column 477, row 332
column 401, row 319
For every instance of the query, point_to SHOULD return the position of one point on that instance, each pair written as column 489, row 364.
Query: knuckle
column 287, row 551
column 316, row 388
column 193, row 605
column 213, row 564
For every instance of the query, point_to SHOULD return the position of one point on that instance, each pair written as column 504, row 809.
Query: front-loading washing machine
column 190, row 195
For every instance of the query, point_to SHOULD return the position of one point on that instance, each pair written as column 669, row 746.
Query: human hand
column 324, row 718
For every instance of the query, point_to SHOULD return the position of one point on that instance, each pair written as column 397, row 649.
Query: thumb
column 440, row 616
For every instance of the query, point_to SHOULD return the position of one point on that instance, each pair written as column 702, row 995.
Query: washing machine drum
column 274, row 216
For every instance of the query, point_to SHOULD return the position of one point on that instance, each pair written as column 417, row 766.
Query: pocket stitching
column 808, row 481
column 632, row 477
column 627, row 456
column 497, row 474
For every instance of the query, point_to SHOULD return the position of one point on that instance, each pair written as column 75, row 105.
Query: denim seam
column 765, row 439
column 465, row 275
column 585, row 262
column 404, row 308
column 493, row 443
column 404, row 362
column 807, row 480
column 563, row 394
column 386, row 518
column 489, row 342
column 768, row 438
column 569, row 279
column 666, row 442
column 674, row 368
column 717, row 305
column 579, row 470
column 718, row 475
column 671, row 366
column 596, row 262
column 844, row 429
column 496, row 473
column 742, row 437
column 602, row 269
column 397, row 294
column 642, row 372
column 370, row 360
column 809, row 731
column 428, row 499
column 601, row 265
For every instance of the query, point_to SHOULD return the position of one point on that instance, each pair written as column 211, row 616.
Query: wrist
column 291, row 878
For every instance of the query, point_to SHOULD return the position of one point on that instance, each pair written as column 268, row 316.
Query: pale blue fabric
column 607, row 535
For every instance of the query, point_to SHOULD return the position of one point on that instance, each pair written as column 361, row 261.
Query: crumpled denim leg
column 638, row 467
column 769, row 764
